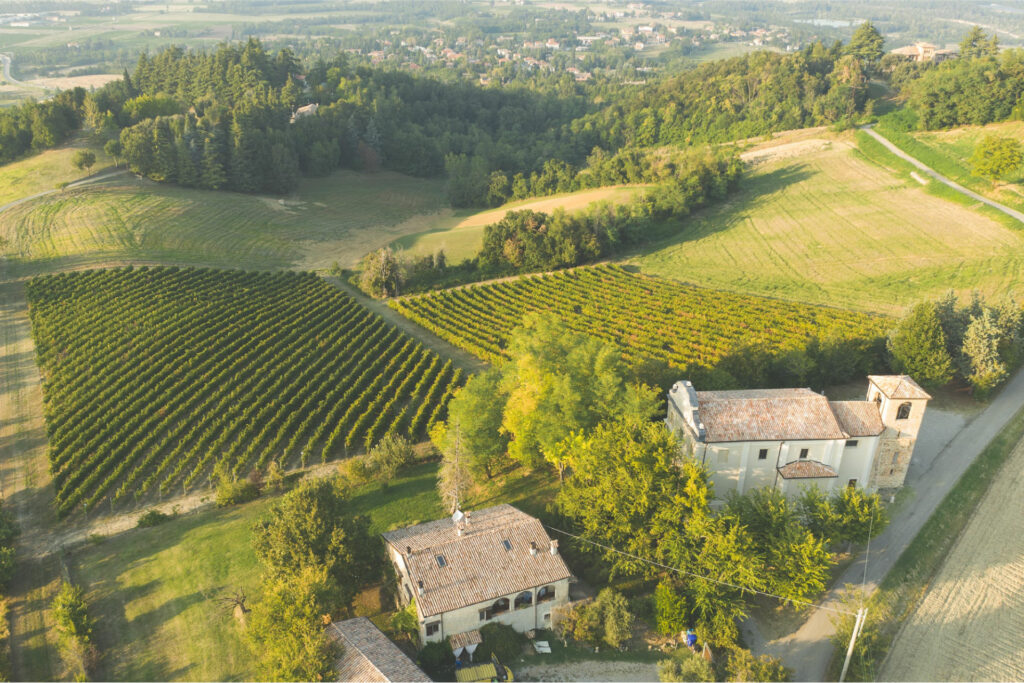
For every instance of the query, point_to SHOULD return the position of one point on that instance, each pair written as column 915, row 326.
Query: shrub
column 74, row 629
column 236, row 492
column 391, row 453
column 152, row 518
column 683, row 665
column 501, row 640
column 437, row 661
column 741, row 666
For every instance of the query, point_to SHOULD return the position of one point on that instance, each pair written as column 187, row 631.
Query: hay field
column 42, row 172
column 970, row 624
column 461, row 234
column 333, row 219
column 820, row 222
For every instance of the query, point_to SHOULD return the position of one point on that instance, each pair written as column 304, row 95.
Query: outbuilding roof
column 369, row 655
column 501, row 551
column 858, row 418
column 767, row 415
column 806, row 469
column 898, row 386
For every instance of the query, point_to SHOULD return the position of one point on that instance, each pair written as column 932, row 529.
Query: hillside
column 818, row 221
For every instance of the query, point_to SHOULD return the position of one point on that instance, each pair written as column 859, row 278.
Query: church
column 788, row 439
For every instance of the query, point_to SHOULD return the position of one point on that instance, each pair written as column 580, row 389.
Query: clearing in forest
column 825, row 223
column 970, row 624
column 154, row 377
column 333, row 219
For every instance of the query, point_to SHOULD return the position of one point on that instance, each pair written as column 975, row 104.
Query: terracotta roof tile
column 369, row 655
column 767, row 415
column 806, row 469
column 477, row 566
column 898, row 386
column 858, row 418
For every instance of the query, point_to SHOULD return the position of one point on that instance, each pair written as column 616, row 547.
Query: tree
column 112, row 148
column 627, row 490
column 380, row 273
column 616, row 618
column 866, row 44
column 477, row 409
column 560, row 382
column 453, row 477
column 670, row 609
column 981, row 350
column 391, row 453
column 918, row 348
column 312, row 526
column 996, row 157
column 684, row 665
column 977, row 44
column 817, row 514
column 437, row 661
column 285, row 629
column 83, row 159
column 503, row 641
column 74, row 629
column 859, row 515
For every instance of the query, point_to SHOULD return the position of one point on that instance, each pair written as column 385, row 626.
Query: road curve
column 1017, row 215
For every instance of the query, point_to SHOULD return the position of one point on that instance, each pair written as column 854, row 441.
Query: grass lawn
column 152, row 591
column 827, row 223
column 45, row 170
column 461, row 234
column 334, row 219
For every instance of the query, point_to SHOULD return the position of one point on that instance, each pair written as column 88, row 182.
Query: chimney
column 419, row 588
column 408, row 550
column 533, row 547
column 554, row 547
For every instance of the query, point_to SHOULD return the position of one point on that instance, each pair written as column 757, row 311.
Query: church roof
column 858, row 418
column 767, row 415
column 898, row 386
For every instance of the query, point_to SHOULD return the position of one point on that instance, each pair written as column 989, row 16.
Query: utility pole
column 862, row 614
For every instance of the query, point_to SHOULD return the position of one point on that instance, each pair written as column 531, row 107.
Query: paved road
column 809, row 649
column 941, row 178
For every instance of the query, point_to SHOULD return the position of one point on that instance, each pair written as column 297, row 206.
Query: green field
column 229, row 369
column 44, row 171
column 334, row 219
column 819, row 221
column 461, row 235
column 153, row 591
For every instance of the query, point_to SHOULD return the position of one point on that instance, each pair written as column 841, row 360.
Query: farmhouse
column 496, row 564
column 368, row 655
column 788, row 439
column 924, row 52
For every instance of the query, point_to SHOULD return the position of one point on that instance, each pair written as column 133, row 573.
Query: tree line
column 35, row 126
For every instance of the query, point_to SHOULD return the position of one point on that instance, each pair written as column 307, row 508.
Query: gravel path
column 589, row 671
column 941, row 178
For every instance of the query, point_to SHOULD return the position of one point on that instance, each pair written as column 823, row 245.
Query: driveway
column 933, row 472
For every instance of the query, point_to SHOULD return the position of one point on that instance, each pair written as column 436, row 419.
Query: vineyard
column 153, row 377
column 682, row 325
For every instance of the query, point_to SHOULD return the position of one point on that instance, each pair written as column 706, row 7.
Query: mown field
column 154, row 377
column 461, row 236
column 682, row 325
column 45, row 170
column 334, row 219
column 822, row 222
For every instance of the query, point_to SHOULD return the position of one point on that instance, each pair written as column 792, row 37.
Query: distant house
column 496, row 564
column 789, row 439
column 369, row 655
column 924, row 52
column 307, row 110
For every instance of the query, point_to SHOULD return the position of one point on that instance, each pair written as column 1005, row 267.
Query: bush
column 501, row 640
column 152, row 518
column 74, row 629
column 683, row 665
column 605, row 620
column 389, row 455
column 437, row 661
column 742, row 666
column 236, row 492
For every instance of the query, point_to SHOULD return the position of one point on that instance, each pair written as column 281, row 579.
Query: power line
column 698, row 576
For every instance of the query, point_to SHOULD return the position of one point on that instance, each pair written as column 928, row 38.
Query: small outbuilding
column 369, row 655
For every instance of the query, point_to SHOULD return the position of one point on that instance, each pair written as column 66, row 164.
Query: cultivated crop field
column 646, row 316
column 822, row 223
column 152, row 377
column 970, row 624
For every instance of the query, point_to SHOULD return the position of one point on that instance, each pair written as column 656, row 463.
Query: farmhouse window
column 803, row 453
column 852, row 484
column 433, row 627
column 762, row 454
column 851, row 443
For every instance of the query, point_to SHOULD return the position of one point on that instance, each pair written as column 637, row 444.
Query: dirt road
column 970, row 624
column 590, row 671
column 931, row 475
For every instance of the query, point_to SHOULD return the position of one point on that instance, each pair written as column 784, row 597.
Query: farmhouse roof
column 806, row 469
column 858, row 418
column 501, row 551
column 767, row 415
column 369, row 655
column 898, row 386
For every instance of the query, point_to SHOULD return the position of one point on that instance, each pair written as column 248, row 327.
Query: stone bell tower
column 901, row 404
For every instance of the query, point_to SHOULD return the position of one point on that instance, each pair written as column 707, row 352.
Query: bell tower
column 901, row 404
